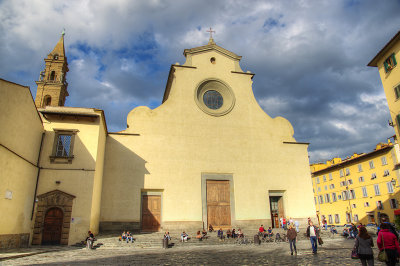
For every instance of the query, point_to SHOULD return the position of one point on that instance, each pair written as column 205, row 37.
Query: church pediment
column 211, row 46
column 57, row 195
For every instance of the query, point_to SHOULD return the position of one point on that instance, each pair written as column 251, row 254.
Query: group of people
column 229, row 233
column 387, row 242
column 126, row 236
column 284, row 223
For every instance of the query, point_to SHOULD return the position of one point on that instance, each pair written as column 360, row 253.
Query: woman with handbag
column 363, row 247
column 388, row 245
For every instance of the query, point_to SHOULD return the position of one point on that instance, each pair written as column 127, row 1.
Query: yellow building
column 208, row 155
column 387, row 63
column 362, row 188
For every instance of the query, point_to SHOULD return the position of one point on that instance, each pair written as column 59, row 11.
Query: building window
column 317, row 180
column 345, row 195
column 359, row 168
column 326, row 187
column 315, row 200
column 341, row 173
column 389, row 187
column 313, row 190
column 364, row 191
column 352, row 194
column 319, row 189
column 63, row 146
column 356, row 218
column 347, row 171
column 324, row 178
column 332, row 186
column 371, row 164
column 373, row 176
column 386, row 172
column 353, row 206
column 334, row 197
column 343, row 183
column 390, row 63
column 376, row 188
column 397, row 91
column 330, row 219
column 379, row 205
column 350, row 181
column 393, row 203
column 320, row 199
column 348, row 218
column 327, row 198
column 339, row 196
column 47, row 101
column 337, row 219
column 366, row 204
column 384, row 161
column 330, row 176
column 361, row 179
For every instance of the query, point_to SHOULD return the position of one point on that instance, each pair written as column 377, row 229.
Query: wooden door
column 52, row 227
column 281, row 212
column 151, row 213
column 218, row 204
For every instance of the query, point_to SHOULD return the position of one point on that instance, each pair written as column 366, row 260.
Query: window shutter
column 386, row 66
column 394, row 59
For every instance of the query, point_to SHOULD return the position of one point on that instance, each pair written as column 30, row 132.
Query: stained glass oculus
column 213, row 99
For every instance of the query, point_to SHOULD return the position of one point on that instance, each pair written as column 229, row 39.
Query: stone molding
column 46, row 201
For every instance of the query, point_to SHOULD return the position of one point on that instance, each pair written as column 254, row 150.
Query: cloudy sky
column 309, row 57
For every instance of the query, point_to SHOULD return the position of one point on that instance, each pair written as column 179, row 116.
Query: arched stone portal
column 53, row 218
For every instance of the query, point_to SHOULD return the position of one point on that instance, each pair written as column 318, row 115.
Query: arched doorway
column 52, row 227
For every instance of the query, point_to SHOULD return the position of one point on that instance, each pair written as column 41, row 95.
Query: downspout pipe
column 37, row 178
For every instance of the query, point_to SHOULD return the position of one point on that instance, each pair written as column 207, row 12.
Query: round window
column 213, row 99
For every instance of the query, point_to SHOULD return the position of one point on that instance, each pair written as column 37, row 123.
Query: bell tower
column 52, row 84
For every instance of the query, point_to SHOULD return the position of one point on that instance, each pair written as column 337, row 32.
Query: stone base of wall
column 251, row 224
column 182, row 225
column 14, row 241
column 119, row 227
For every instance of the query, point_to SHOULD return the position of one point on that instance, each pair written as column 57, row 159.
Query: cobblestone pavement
column 333, row 252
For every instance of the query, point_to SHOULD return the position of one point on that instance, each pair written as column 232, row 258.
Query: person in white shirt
column 312, row 233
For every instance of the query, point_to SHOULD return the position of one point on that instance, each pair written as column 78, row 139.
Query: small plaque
column 8, row 194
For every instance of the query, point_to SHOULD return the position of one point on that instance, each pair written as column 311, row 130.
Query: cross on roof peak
column 211, row 41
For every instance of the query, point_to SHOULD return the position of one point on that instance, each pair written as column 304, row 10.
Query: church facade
column 207, row 155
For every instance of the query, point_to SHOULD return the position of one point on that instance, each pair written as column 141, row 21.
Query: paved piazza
column 333, row 252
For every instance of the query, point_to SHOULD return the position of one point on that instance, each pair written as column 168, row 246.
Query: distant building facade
column 387, row 63
column 362, row 188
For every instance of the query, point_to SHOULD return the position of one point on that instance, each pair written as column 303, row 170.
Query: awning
column 397, row 212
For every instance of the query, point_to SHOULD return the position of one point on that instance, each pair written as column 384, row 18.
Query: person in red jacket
column 389, row 244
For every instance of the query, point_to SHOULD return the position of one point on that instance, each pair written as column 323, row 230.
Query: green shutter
column 398, row 120
column 386, row 66
column 396, row 91
column 394, row 59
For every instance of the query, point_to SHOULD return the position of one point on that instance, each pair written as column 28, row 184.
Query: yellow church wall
column 80, row 178
column 98, row 176
column 20, row 138
column 178, row 143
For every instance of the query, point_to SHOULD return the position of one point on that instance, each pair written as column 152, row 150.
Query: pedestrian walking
column 387, row 242
column 363, row 245
column 313, row 233
column 291, row 235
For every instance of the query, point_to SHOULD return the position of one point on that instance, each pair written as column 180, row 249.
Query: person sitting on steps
column 129, row 237
column 240, row 233
column 229, row 233
column 210, row 228
column 122, row 236
column 234, row 235
column 167, row 236
column 184, row 237
column 199, row 236
column 220, row 234
column 204, row 234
